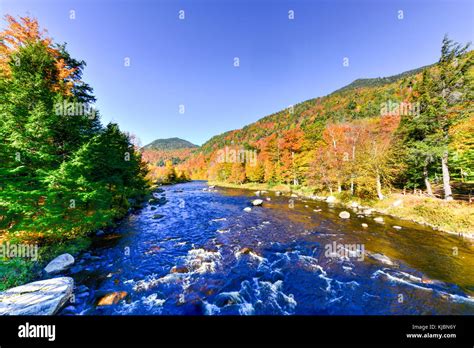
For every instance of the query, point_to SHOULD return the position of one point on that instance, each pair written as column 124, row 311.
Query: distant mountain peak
column 170, row 144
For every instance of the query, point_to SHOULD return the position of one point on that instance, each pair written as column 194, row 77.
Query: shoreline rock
column 43, row 297
column 59, row 264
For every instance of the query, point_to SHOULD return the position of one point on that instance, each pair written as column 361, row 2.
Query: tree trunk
column 448, row 195
column 339, row 188
column 379, row 186
column 352, row 186
column 429, row 191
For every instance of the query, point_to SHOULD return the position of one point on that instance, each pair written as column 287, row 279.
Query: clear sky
column 283, row 61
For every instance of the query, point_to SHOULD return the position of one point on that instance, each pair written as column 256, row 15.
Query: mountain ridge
column 301, row 107
column 173, row 143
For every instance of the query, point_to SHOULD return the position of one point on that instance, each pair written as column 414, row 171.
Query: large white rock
column 379, row 219
column 248, row 209
column 59, row 264
column 256, row 202
column 331, row 199
column 44, row 297
column 344, row 215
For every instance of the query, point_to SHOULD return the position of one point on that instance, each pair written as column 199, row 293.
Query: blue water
column 207, row 256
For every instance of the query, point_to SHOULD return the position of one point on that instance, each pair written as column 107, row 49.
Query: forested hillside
column 403, row 132
column 165, row 158
column 63, row 174
column 379, row 81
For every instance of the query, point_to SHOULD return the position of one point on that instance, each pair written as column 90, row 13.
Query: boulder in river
column 257, row 202
column 44, row 297
column 245, row 250
column 59, row 264
column 157, row 201
column 248, row 209
column 331, row 199
column 382, row 258
column 157, row 216
column 112, row 298
column 344, row 215
column 179, row 269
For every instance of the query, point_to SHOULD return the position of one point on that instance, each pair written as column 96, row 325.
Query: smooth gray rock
column 59, row 264
column 44, row 297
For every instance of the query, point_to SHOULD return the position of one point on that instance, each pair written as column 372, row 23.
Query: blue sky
column 190, row 62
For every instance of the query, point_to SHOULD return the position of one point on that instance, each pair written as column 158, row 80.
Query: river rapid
column 200, row 253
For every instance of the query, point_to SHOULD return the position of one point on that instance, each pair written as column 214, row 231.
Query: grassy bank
column 17, row 271
column 454, row 216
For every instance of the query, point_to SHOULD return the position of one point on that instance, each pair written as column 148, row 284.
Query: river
column 207, row 256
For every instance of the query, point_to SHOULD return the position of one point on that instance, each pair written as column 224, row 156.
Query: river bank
column 454, row 217
column 15, row 271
